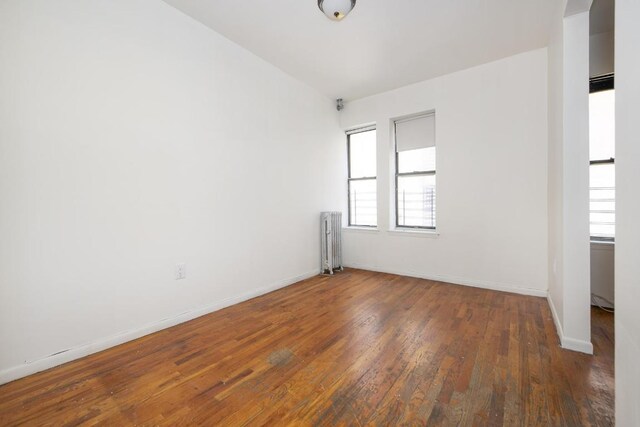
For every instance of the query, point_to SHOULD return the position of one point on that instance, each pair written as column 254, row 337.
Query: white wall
column 491, row 132
column 133, row 138
column 602, row 271
column 569, row 250
column 576, row 322
column 601, row 54
column 555, row 164
column 627, row 213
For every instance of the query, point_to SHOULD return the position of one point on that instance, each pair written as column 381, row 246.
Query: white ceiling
column 382, row 44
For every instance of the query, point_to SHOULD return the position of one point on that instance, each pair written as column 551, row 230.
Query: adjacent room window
column 416, row 172
column 361, row 148
column 602, row 170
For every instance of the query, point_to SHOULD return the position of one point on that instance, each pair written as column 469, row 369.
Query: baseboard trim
column 556, row 319
column 32, row 367
column 457, row 281
column 567, row 342
column 577, row 345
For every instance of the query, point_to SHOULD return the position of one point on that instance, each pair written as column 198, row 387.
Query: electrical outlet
column 181, row 271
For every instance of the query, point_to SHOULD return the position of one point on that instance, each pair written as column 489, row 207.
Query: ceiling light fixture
column 336, row 9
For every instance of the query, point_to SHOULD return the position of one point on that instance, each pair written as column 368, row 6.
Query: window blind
column 416, row 132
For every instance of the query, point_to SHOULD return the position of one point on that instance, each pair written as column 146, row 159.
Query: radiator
column 331, row 240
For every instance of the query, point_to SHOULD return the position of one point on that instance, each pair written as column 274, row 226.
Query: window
column 602, row 170
column 361, row 148
column 416, row 172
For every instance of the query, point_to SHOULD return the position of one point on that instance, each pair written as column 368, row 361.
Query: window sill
column 430, row 234
column 366, row 230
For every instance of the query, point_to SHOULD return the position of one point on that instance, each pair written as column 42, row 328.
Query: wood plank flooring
column 360, row 348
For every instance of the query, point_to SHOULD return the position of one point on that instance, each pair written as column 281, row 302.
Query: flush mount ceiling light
column 336, row 9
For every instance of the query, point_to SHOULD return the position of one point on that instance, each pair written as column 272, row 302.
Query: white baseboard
column 567, row 342
column 457, row 281
column 31, row 367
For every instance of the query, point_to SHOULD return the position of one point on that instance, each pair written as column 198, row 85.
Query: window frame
column 414, row 173
column 367, row 178
column 600, row 84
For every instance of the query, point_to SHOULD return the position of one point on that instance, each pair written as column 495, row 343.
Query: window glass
column 422, row 159
column 602, row 125
column 363, row 203
column 362, row 154
column 602, row 200
column 363, row 208
column 415, row 147
column 602, row 171
column 417, row 201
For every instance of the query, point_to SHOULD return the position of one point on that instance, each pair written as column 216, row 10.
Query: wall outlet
column 181, row 271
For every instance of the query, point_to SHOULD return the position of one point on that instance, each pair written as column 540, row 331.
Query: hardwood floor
column 358, row 348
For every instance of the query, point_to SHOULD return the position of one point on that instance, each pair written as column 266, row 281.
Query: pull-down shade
column 415, row 133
